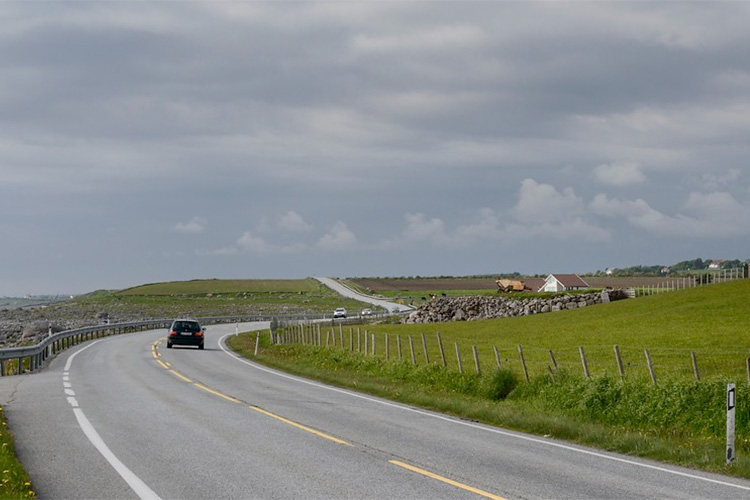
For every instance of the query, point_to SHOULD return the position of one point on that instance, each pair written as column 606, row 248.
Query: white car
column 366, row 312
column 340, row 312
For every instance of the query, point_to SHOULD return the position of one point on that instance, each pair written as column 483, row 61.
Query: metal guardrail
column 33, row 357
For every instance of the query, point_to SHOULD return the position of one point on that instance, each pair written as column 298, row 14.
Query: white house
column 563, row 283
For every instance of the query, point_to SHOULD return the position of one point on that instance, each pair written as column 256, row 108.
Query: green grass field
column 218, row 298
column 713, row 322
column 214, row 287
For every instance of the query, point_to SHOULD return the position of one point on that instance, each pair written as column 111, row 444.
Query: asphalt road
column 124, row 417
column 345, row 291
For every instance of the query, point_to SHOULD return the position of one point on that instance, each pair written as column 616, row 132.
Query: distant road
column 124, row 417
column 352, row 294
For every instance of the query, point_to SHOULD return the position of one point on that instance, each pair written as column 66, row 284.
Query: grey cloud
column 386, row 129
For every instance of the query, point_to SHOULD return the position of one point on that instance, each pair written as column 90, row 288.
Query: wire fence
column 626, row 362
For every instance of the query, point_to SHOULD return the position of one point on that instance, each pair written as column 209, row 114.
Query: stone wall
column 473, row 308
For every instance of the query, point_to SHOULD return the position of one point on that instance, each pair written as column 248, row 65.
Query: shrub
column 499, row 384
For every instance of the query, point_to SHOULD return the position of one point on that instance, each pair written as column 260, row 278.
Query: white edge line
column 473, row 425
column 139, row 487
column 79, row 351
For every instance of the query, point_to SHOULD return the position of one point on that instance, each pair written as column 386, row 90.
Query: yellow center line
column 299, row 426
column 180, row 375
column 233, row 400
column 322, row 434
column 446, row 480
column 216, row 393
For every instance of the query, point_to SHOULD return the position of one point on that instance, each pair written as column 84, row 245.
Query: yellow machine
column 504, row 285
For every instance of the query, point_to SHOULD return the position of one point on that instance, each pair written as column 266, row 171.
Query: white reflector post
column 731, row 395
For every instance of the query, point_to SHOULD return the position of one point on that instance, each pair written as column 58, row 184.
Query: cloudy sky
column 155, row 141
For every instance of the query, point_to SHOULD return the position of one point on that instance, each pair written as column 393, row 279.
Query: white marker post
column 731, row 395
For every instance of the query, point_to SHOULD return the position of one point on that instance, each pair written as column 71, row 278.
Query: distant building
column 563, row 283
column 715, row 264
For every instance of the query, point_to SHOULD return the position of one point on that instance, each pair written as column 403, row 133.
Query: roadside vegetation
column 678, row 419
column 14, row 482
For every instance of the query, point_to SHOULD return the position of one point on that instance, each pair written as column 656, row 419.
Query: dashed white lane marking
column 139, row 487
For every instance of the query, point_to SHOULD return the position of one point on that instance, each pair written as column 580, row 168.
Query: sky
column 143, row 142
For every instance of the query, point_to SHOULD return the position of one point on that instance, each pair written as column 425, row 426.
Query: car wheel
column 200, row 346
column 169, row 345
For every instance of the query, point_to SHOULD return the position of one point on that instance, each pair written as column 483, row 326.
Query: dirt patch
column 423, row 284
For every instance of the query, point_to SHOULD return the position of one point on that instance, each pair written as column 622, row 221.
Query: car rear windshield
column 186, row 326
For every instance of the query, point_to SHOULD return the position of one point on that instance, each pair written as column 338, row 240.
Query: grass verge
column 14, row 482
column 677, row 420
column 679, row 423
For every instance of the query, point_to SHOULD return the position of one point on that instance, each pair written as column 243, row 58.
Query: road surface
column 353, row 294
column 124, row 417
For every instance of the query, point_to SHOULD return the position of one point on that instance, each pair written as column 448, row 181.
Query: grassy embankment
column 677, row 420
column 220, row 297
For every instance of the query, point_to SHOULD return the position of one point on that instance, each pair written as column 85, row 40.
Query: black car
column 186, row 332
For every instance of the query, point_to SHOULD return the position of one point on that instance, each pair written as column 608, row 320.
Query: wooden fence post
column 650, row 366
column 398, row 344
column 387, row 347
column 411, row 348
column 351, row 339
column 424, row 346
column 257, row 342
column 497, row 356
column 620, row 368
column 372, row 345
column 476, row 359
column 552, row 357
column 583, row 361
column 695, row 367
column 523, row 363
column 458, row 358
column 442, row 352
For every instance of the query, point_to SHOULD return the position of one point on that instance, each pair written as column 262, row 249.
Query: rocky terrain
column 28, row 325
column 473, row 308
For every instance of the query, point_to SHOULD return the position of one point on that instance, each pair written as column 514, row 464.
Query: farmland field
column 487, row 283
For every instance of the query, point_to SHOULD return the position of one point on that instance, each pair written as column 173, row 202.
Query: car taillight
column 173, row 333
column 199, row 334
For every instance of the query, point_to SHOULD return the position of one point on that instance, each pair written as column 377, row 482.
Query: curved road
column 124, row 417
column 345, row 291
